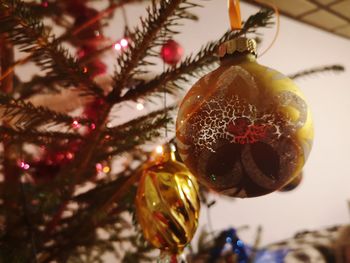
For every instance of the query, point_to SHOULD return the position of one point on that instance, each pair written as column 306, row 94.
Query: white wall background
column 321, row 200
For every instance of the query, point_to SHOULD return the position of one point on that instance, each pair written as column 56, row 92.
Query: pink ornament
column 45, row 4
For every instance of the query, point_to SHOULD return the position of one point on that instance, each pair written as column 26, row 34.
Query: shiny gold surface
column 167, row 204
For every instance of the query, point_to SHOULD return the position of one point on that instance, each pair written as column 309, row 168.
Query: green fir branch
column 138, row 125
column 318, row 70
column 153, row 32
column 98, row 196
column 29, row 33
column 38, row 84
column 130, row 144
column 133, row 142
column 53, row 9
column 24, row 115
column 194, row 65
column 136, row 132
column 83, row 224
column 37, row 137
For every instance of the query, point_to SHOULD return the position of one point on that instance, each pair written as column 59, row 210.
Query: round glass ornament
column 244, row 130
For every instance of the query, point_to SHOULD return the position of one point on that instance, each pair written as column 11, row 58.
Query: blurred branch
column 154, row 30
column 41, row 138
column 22, row 114
column 30, row 34
column 313, row 71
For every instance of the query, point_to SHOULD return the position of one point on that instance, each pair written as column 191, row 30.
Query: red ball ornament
column 171, row 52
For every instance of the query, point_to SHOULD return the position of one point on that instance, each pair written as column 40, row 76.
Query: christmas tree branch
column 72, row 173
column 30, row 228
column 51, row 9
column 11, row 172
column 36, row 137
column 128, row 145
column 22, row 114
column 37, row 84
column 157, row 18
column 81, row 162
column 130, row 142
column 65, row 243
column 6, row 59
column 99, row 16
column 309, row 72
column 98, row 208
column 153, row 32
column 85, row 223
column 193, row 65
column 125, row 137
column 29, row 33
column 140, row 124
column 101, row 193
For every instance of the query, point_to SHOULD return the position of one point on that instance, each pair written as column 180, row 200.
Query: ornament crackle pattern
column 230, row 117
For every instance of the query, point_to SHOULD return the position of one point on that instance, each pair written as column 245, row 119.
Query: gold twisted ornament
column 167, row 203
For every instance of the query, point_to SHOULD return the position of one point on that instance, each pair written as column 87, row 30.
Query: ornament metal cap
column 238, row 45
column 165, row 154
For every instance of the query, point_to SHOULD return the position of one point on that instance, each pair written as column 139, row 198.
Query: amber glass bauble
column 244, row 130
column 167, row 203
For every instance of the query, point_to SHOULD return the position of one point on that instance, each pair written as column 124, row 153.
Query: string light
column 117, row 46
column 23, row 165
column 124, row 43
column 159, row 149
column 140, row 106
column 100, row 168
column 106, row 169
column 76, row 124
column 69, row 155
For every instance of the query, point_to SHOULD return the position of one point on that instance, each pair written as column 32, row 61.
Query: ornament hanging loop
column 277, row 13
column 234, row 11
